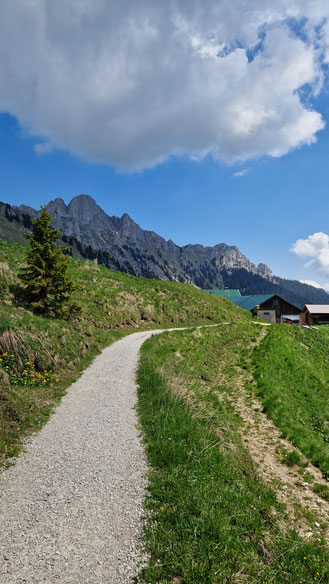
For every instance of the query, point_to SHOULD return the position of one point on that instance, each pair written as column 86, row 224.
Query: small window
column 266, row 313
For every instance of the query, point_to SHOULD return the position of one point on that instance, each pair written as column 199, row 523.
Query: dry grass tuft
column 147, row 312
column 4, row 380
column 127, row 296
column 197, row 334
column 6, row 273
column 10, row 341
column 89, row 266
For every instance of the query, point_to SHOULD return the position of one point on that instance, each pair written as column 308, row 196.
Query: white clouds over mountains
column 131, row 83
column 311, row 283
column 315, row 247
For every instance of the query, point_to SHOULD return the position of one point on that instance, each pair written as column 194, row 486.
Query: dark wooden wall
column 281, row 306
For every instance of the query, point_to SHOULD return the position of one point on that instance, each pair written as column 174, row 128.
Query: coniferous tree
column 47, row 288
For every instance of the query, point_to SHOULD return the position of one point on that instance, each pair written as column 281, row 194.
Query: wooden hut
column 315, row 314
column 268, row 306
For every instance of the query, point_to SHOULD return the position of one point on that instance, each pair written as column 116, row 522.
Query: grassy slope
column 210, row 519
column 292, row 373
column 113, row 304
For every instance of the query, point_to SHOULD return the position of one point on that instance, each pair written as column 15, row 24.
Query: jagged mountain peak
column 82, row 198
column 84, row 208
column 57, row 207
column 264, row 271
column 122, row 244
column 126, row 219
column 28, row 210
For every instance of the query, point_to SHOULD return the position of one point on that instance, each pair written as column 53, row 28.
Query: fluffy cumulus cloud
column 131, row 83
column 316, row 248
column 311, row 283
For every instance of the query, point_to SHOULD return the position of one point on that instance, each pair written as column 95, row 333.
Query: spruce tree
column 47, row 288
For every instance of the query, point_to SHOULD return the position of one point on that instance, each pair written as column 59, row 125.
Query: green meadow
column 292, row 372
column 210, row 519
column 113, row 304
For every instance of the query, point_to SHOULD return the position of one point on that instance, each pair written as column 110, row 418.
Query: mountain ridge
column 120, row 243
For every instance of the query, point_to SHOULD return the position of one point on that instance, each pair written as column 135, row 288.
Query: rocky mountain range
column 121, row 244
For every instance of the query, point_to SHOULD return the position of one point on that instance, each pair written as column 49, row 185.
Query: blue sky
column 176, row 176
column 263, row 212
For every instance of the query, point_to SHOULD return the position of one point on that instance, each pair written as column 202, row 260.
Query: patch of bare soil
column 293, row 485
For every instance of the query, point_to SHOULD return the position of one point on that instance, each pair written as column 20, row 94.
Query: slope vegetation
column 292, row 373
column 46, row 350
column 214, row 514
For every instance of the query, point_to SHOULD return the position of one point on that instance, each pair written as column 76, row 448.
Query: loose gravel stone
column 71, row 506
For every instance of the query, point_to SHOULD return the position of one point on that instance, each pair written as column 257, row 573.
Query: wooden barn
column 267, row 306
column 315, row 314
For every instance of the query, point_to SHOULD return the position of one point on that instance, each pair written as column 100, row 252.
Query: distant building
column 270, row 307
column 225, row 293
column 315, row 314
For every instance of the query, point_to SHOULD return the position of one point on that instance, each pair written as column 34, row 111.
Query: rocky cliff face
column 264, row 270
column 144, row 253
column 120, row 243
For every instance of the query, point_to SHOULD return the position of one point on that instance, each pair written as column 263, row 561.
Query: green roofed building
column 251, row 301
column 225, row 293
column 268, row 306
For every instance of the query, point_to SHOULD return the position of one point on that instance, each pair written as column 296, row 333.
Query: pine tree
column 47, row 288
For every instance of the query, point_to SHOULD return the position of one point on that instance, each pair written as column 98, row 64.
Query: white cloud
column 324, row 286
column 311, row 283
column 240, row 173
column 315, row 247
column 132, row 83
column 42, row 148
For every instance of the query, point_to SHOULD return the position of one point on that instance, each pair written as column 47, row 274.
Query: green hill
column 214, row 514
column 113, row 304
column 229, row 500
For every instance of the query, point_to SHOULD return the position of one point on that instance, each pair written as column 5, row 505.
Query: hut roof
column 225, row 293
column 250, row 302
column 317, row 308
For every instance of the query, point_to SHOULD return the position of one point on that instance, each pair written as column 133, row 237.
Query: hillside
column 292, row 374
column 230, row 499
column 113, row 304
column 217, row 510
column 121, row 244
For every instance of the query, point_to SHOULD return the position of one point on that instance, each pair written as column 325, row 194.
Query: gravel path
column 70, row 508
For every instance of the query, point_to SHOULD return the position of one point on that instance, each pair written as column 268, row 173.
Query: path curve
column 71, row 506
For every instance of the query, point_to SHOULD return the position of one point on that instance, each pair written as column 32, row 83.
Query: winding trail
column 71, row 506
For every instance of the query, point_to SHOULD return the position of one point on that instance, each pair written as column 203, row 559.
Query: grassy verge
column 113, row 304
column 209, row 517
column 292, row 373
column 24, row 409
